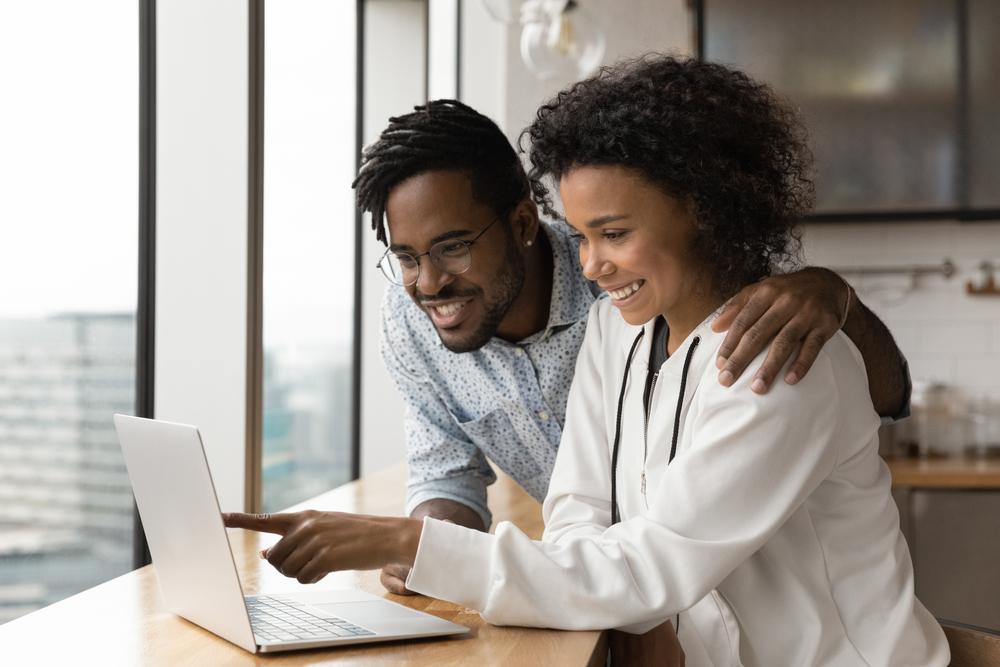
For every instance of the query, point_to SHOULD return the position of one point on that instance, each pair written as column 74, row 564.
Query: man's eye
column 452, row 248
column 406, row 261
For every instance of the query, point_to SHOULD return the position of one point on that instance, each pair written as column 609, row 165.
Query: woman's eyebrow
column 604, row 219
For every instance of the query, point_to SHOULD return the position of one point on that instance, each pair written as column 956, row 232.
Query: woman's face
column 635, row 243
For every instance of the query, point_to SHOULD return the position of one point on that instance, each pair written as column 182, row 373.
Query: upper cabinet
column 901, row 97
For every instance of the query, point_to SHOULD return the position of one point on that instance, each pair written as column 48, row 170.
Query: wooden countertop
column 945, row 473
column 124, row 622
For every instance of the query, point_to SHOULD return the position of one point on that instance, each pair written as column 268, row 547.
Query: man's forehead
column 430, row 207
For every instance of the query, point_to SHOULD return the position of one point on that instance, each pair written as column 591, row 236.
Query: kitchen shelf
column 945, row 473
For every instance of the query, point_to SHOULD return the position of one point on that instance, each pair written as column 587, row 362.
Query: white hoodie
column 772, row 533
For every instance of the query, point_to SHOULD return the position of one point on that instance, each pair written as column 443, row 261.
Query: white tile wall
column 947, row 335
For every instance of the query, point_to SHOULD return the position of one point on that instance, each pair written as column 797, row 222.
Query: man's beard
column 509, row 282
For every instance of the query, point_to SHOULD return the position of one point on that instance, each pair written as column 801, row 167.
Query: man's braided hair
column 442, row 135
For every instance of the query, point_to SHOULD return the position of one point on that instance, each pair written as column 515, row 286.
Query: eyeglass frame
column 416, row 258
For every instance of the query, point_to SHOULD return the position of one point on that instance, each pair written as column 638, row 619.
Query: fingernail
column 791, row 377
column 726, row 378
column 757, row 386
column 720, row 361
column 263, row 554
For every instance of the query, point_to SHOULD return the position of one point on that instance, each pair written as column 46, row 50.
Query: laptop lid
column 183, row 524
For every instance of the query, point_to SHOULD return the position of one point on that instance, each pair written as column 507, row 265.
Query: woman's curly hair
column 704, row 133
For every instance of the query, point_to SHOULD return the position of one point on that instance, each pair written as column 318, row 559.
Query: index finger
column 264, row 523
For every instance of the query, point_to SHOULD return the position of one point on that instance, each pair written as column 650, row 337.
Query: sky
column 68, row 157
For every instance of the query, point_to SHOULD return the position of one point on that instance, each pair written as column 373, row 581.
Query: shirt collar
column 572, row 293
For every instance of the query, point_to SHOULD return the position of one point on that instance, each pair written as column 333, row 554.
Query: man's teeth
column 448, row 308
column 624, row 292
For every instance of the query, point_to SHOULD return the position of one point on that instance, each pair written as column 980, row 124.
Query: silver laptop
column 194, row 564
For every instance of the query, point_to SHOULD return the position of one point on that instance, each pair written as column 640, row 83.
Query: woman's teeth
column 448, row 309
column 625, row 291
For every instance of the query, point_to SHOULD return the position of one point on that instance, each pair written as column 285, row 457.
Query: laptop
column 195, row 568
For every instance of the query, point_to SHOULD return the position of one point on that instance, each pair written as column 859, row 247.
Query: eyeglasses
column 452, row 256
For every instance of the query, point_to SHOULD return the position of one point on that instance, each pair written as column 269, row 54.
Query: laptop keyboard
column 276, row 619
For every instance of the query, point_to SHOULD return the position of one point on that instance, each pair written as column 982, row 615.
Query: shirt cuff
column 452, row 564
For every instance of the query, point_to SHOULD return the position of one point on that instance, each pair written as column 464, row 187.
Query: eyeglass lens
column 452, row 257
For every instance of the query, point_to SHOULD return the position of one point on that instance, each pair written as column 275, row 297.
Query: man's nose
column 431, row 279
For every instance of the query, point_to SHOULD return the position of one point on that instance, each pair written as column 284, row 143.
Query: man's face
column 467, row 308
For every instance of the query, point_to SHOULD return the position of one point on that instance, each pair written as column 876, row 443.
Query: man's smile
column 447, row 314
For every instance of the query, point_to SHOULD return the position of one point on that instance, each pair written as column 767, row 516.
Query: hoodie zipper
column 646, row 408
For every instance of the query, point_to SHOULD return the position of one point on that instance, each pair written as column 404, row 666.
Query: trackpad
column 374, row 610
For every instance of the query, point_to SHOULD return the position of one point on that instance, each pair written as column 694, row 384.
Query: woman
column 761, row 524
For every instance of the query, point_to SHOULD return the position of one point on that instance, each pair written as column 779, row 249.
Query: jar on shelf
column 940, row 420
column 984, row 418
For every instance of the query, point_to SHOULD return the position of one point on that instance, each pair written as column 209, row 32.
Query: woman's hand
column 314, row 544
column 657, row 648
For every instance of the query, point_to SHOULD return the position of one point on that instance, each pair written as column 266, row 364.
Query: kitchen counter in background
column 945, row 473
column 949, row 511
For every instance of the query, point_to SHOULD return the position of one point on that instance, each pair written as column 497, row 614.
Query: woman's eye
column 613, row 236
column 579, row 238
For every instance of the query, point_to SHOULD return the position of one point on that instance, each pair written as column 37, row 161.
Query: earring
column 528, row 242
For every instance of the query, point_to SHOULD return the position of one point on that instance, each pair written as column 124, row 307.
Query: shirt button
column 543, row 415
column 518, row 352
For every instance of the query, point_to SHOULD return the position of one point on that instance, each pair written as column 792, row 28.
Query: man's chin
column 460, row 339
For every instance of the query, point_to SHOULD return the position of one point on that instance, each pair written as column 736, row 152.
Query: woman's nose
column 594, row 263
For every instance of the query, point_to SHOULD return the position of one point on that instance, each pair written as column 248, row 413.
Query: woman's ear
column 524, row 222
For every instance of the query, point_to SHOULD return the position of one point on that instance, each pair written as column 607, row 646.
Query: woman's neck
column 685, row 318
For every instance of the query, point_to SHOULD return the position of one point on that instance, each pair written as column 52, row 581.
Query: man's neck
column 529, row 313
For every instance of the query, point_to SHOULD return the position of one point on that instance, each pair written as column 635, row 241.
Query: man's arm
column 806, row 307
column 887, row 381
column 448, row 475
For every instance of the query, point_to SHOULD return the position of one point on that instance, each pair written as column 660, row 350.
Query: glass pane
column 984, row 103
column 68, row 209
column 876, row 83
column 309, row 163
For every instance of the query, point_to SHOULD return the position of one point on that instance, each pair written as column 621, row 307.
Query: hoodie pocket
column 716, row 625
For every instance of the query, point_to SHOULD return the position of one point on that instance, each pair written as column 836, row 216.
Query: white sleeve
column 751, row 462
column 578, row 502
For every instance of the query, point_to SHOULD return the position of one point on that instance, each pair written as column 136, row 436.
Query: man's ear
column 524, row 222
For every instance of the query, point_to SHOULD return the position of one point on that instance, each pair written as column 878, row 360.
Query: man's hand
column 394, row 576
column 314, row 544
column 801, row 307
column 657, row 648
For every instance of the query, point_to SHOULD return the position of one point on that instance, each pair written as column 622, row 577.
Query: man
column 482, row 327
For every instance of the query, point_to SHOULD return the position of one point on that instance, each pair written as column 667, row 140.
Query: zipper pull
column 644, row 500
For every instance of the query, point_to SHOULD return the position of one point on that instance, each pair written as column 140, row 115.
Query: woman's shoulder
column 837, row 372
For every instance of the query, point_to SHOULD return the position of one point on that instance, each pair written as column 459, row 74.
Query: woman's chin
column 635, row 317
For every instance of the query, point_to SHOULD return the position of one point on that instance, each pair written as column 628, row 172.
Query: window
column 68, row 206
column 309, row 220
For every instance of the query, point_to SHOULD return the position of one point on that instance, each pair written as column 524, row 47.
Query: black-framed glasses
column 452, row 256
